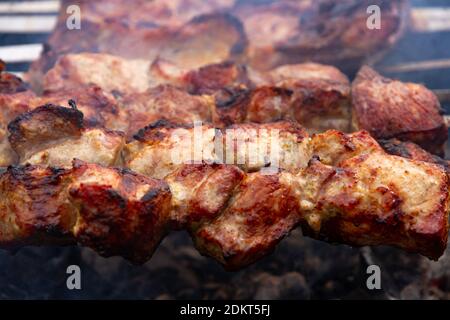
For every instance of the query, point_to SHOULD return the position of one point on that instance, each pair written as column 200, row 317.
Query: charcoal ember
column 299, row 268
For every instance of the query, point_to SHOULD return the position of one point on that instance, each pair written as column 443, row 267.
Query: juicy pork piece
column 200, row 192
column 128, row 76
column 261, row 212
column 54, row 135
column 259, row 105
column 321, row 95
column 164, row 102
column 160, row 148
column 113, row 211
column 393, row 109
column 111, row 73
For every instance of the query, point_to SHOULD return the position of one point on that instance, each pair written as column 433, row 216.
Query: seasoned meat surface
column 393, row 109
column 55, row 135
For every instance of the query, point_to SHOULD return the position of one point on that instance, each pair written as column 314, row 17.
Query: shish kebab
column 126, row 95
column 338, row 187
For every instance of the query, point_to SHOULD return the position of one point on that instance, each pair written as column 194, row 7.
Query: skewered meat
column 164, row 102
column 317, row 96
column 346, row 189
column 111, row 210
column 320, row 94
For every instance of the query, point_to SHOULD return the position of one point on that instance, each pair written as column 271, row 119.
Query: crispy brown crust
column 261, row 212
column 56, row 135
column 114, row 220
column 260, row 105
column 412, row 151
column 320, row 95
column 117, row 213
column 211, row 78
column 392, row 109
column 33, row 208
column 164, row 102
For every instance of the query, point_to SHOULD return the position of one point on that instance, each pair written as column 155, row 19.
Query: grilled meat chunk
column 320, row 95
column 120, row 212
column 379, row 199
column 111, row 73
column 393, row 109
column 261, row 211
column 200, row 192
column 164, row 102
column 259, row 105
column 113, row 211
column 55, row 135
column 160, row 148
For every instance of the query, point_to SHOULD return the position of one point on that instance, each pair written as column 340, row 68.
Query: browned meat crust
column 9, row 83
column 164, row 102
column 315, row 95
column 393, row 109
column 114, row 211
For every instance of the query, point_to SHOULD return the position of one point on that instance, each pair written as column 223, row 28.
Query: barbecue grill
column 300, row 268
